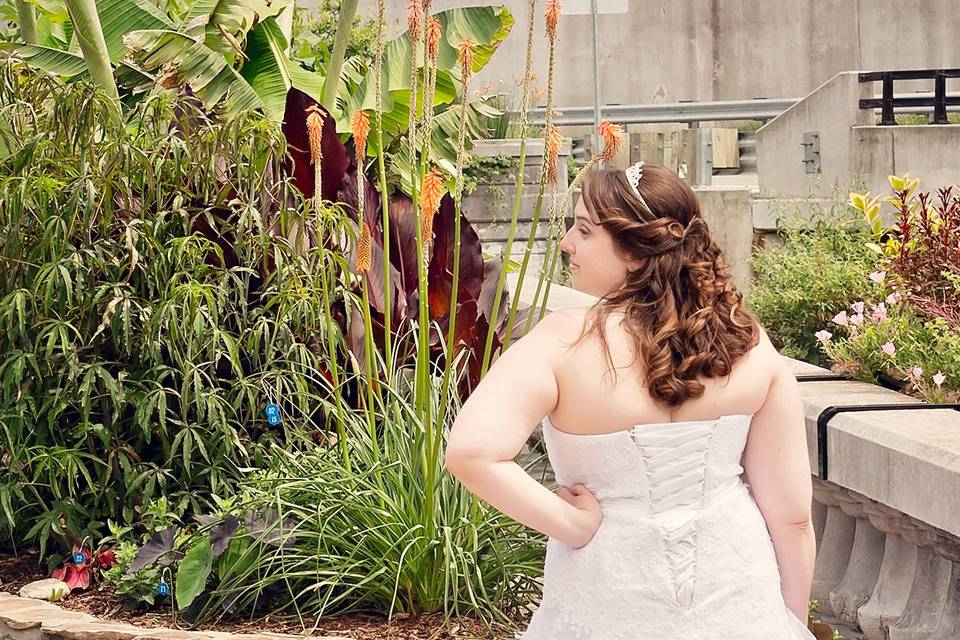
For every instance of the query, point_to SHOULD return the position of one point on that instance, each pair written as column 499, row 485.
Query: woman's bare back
column 590, row 403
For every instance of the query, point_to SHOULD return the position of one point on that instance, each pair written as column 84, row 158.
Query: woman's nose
column 565, row 245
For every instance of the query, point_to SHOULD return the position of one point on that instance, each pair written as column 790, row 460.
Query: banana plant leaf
column 223, row 25
column 73, row 66
column 486, row 27
column 205, row 71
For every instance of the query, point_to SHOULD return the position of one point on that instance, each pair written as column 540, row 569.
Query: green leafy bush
column 317, row 534
column 138, row 347
column 821, row 266
column 314, row 30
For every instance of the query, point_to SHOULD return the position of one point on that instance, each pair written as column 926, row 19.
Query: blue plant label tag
column 163, row 589
column 272, row 411
column 79, row 558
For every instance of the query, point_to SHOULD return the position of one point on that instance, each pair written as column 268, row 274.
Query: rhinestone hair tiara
column 634, row 173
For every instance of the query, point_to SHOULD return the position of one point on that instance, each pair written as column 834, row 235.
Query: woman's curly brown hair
column 681, row 308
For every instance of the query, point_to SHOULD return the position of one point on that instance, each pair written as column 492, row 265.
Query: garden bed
column 101, row 602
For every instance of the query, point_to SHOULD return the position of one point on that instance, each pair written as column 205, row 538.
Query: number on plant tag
column 272, row 412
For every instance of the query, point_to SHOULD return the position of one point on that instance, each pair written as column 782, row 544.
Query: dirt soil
column 100, row 601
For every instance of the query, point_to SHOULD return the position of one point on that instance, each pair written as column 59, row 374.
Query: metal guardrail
column 888, row 102
column 758, row 109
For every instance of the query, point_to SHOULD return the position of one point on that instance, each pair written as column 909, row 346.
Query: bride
column 674, row 428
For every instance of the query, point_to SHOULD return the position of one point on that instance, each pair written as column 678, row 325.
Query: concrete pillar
column 949, row 626
column 889, row 597
column 819, row 514
column 927, row 600
column 833, row 556
column 859, row 579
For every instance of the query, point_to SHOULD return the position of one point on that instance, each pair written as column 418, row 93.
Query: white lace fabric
column 682, row 552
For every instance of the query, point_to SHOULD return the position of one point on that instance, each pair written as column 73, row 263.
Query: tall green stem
column 27, row 19
column 517, row 200
column 384, row 200
column 348, row 10
column 332, row 353
column 86, row 25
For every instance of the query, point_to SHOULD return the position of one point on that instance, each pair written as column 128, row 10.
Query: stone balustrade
column 887, row 516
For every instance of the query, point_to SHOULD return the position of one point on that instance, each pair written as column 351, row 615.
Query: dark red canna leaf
column 403, row 242
column 441, row 263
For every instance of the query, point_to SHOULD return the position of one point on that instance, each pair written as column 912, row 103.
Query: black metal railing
column 939, row 100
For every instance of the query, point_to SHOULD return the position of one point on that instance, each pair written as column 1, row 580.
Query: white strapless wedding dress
column 683, row 552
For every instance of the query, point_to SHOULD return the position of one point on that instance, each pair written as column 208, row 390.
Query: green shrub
column 137, row 351
column 315, row 534
column 822, row 266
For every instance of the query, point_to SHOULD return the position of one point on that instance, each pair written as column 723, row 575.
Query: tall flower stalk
column 612, row 136
column 552, row 19
column 431, row 39
column 517, row 198
column 384, row 200
column 465, row 56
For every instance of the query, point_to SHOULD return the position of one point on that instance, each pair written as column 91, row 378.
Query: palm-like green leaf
column 223, row 24
column 271, row 73
column 442, row 151
column 56, row 61
column 120, row 17
column 204, row 70
column 267, row 70
column 486, row 27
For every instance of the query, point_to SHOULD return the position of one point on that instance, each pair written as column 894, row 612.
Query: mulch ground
column 100, row 601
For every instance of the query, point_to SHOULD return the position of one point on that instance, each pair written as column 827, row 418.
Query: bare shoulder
column 765, row 358
column 562, row 324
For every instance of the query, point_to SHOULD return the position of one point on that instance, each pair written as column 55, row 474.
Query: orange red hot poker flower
column 552, row 17
column 612, row 135
column 315, row 132
column 360, row 124
column 431, row 192
column 433, row 38
column 554, row 140
column 364, row 249
column 465, row 56
column 414, row 18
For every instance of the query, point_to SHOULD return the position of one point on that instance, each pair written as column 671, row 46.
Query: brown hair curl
column 681, row 308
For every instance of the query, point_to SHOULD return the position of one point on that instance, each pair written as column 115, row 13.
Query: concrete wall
column 831, row 110
column 728, row 214
column 928, row 152
column 669, row 50
column 490, row 207
column 855, row 153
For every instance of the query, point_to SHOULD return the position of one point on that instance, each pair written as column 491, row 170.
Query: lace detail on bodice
column 675, row 462
column 682, row 550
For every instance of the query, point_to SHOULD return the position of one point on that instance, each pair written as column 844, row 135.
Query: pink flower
column 823, row 336
column 893, row 298
column 915, row 372
column 939, row 378
column 888, row 348
column 840, row 319
column 878, row 276
column 880, row 312
column 858, row 307
column 856, row 319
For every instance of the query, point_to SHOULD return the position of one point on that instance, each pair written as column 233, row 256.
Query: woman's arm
column 495, row 422
column 778, row 470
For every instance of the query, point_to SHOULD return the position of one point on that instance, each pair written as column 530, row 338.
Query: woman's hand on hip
column 588, row 508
